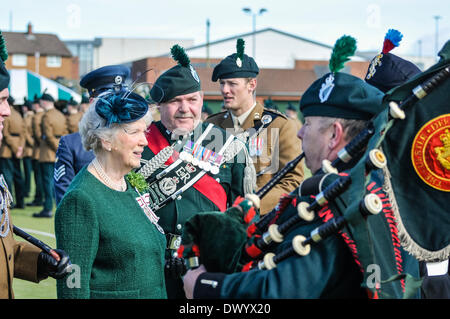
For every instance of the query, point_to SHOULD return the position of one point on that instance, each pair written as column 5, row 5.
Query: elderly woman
column 103, row 222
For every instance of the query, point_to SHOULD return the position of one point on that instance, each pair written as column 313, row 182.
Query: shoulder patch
column 274, row 112
column 216, row 115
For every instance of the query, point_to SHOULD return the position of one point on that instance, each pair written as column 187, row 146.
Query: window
column 19, row 60
column 53, row 61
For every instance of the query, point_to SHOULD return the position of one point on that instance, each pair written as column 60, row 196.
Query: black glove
column 48, row 266
column 175, row 267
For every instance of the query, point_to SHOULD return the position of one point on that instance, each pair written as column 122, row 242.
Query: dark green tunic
column 332, row 269
column 174, row 215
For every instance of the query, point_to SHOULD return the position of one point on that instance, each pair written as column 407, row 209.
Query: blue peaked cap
column 105, row 78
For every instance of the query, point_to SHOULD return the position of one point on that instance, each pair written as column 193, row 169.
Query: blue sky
column 320, row 20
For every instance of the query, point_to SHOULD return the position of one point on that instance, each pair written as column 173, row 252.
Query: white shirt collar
column 241, row 118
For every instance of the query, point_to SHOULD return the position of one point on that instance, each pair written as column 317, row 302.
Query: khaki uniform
column 13, row 135
column 72, row 122
column 17, row 259
column 29, row 140
column 28, row 152
column 272, row 149
column 13, row 139
column 298, row 124
column 37, row 133
column 53, row 126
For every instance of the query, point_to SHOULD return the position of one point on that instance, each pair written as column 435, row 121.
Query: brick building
column 42, row 53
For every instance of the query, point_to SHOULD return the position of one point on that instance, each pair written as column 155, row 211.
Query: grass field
column 23, row 218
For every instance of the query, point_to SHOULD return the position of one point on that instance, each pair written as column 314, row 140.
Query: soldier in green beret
column 336, row 107
column 11, row 153
column 73, row 115
column 19, row 259
column 37, row 134
column 53, row 127
column 268, row 132
column 190, row 166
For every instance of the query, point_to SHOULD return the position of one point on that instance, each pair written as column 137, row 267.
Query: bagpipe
column 401, row 171
column 229, row 239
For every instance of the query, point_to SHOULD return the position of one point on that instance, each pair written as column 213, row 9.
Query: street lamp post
column 436, row 45
column 254, row 14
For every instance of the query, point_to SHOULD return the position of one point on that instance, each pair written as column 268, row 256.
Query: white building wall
column 273, row 50
column 123, row 50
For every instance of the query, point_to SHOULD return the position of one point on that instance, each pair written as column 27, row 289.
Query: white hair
column 93, row 130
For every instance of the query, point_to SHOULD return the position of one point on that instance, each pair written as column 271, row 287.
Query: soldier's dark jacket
column 332, row 269
column 192, row 201
column 71, row 157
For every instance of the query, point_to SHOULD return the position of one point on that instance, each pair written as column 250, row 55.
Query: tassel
column 344, row 48
column 391, row 40
column 240, row 45
column 3, row 49
column 180, row 55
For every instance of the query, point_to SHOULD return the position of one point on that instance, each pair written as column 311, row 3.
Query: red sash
column 206, row 185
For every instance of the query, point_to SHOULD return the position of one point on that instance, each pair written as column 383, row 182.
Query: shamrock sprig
column 137, row 180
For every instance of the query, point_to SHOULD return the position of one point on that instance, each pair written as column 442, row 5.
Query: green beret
column 4, row 74
column 179, row 80
column 341, row 95
column 47, row 97
column 237, row 65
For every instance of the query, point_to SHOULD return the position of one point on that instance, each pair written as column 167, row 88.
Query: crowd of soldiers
column 28, row 152
column 196, row 180
column 32, row 136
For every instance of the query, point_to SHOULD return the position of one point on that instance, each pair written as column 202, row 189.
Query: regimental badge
column 430, row 153
column 266, row 119
column 168, row 186
column 326, row 88
column 194, row 74
column 373, row 66
column 118, row 79
column 239, row 62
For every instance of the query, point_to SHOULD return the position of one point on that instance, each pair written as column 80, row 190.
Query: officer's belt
column 14, row 134
column 180, row 177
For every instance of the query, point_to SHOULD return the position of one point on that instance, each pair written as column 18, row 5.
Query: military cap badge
column 344, row 48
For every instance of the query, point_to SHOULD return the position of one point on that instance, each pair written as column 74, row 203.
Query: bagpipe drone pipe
column 220, row 240
column 406, row 141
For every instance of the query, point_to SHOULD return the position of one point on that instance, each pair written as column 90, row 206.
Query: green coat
column 330, row 270
column 118, row 251
column 174, row 215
